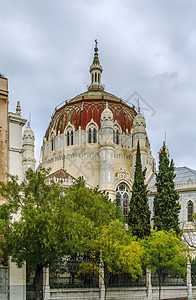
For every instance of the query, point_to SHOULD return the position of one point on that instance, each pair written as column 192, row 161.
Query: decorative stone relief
column 123, row 174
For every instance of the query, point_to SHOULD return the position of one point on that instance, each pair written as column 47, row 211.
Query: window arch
column 92, row 134
column 70, row 136
column 190, row 211
column 123, row 197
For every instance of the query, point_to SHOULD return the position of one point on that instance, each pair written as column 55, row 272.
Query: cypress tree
column 139, row 214
column 166, row 205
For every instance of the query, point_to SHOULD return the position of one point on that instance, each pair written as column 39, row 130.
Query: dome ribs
column 80, row 111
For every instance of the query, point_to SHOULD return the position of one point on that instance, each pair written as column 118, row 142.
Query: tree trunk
column 38, row 282
column 106, row 280
column 159, row 275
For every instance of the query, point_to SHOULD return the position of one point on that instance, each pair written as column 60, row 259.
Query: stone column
column 46, row 284
column 101, row 279
column 17, row 282
column 148, row 284
column 188, row 278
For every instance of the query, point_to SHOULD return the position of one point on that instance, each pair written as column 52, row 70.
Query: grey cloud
column 144, row 46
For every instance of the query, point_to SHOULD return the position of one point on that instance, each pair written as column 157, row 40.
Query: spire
column 96, row 70
column 96, row 58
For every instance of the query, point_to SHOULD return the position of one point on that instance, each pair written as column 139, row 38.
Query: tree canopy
column 166, row 205
column 139, row 213
column 27, row 222
column 165, row 253
column 115, row 251
column 42, row 222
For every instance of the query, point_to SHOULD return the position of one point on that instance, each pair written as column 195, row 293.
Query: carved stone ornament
column 122, row 174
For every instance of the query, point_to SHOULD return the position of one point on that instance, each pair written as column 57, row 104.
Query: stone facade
column 17, row 277
column 3, row 127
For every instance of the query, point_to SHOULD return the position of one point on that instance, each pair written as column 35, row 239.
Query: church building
column 95, row 135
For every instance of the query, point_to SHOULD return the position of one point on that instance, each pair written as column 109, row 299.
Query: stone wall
column 134, row 293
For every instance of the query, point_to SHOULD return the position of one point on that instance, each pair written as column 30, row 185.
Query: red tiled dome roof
column 89, row 105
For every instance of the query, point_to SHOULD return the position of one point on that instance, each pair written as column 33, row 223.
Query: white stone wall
column 17, row 277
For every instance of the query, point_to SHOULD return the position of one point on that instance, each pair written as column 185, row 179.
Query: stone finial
column 18, row 109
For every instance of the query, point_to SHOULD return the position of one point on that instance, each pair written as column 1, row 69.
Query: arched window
column 123, row 197
column 125, row 204
column 89, row 135
column 70, row 137
column 92, row 77
column 117, row 137
column 53, row 143
column 95, row 77
column 67, row 138
column 190, row 211
column 118, row 199
column 94, row 135
column 99, row 77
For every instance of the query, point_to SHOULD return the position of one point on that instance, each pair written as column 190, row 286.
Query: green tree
column 80, row 215
column 165, row 253
column 27, row 222
column 114, row 251
column 43, row 222
column 139, row 213
column 166, row 205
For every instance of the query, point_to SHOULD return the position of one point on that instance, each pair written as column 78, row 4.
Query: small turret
column 107, row 121
column 28, row 159
column 96, row 70
column 166, row 150
column 139, row 130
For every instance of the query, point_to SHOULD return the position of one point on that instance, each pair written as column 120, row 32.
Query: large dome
column 87, row 106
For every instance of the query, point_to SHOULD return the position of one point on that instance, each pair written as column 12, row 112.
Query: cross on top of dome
column 96, row 70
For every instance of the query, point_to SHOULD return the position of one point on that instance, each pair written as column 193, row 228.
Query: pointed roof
column 60, row 175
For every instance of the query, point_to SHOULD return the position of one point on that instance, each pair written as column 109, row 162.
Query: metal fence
column 67, row 276
column 168, row 280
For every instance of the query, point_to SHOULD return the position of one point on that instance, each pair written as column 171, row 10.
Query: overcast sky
column 148, row 47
